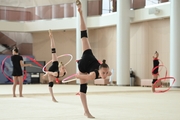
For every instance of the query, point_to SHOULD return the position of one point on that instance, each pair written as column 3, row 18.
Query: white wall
column 12, row 26
column 143, row 14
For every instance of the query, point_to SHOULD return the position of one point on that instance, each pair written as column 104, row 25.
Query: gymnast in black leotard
column 56, row 70
column 89, row 67
column 17, row 74
column 155, row 70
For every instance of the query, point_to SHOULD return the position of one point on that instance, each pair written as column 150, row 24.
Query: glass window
column 107, row 6
column 94, row 7
column 154, row 2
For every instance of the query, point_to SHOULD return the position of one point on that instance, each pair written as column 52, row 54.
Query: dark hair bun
column 16, row 49
column 104, row 62
column 103, row 65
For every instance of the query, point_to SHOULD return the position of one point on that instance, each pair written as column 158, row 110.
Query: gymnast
column 155, row 71
column 56, row 70
column 88, row 65
column 17, row 74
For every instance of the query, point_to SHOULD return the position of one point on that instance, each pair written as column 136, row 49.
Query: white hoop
column 69, row 80
column 65, row 80
column 43, row 69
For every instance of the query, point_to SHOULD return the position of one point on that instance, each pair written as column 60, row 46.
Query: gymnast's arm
column 90, row 76
column 24, row 65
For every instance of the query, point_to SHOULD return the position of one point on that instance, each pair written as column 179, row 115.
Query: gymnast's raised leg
column 51, row 73
column 86, row 45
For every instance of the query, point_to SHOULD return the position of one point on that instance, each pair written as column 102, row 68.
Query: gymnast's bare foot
column 21, row 96
column 54, row 100
column 78, row 2
column 14, row 95
column 79, row 6
column 89, row 115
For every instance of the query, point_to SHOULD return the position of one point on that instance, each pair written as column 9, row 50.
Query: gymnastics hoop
column 69, row 79
column 25, row 73
column 36, row 62
column 43, row 69
column 158, row 74
column 2, row 68
column 161, row 65
column 164, row 78
column 160, row 70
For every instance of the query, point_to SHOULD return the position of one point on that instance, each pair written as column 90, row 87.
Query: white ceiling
column 32, row 3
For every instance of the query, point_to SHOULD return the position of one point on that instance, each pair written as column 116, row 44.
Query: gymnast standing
column 56, row 70
column 17, row 74
column 155, row 71
column 89, row 67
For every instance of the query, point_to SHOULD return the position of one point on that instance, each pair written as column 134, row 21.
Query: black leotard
column 17, row 70
column 54, row 67
column 88, row 63
column 155, row 64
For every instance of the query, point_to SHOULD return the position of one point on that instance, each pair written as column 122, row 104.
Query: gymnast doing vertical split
column 88, row 65
column 56, row 70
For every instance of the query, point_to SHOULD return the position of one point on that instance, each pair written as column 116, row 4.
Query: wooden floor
column 105, row 103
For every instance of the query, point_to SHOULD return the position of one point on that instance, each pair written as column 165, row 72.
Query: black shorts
column 88, row 62
column 154, row 80
column 17, row 73
column 54, row 67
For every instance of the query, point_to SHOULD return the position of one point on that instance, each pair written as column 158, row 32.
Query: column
column 175, row 42
column 123, row 42
column 78, row 32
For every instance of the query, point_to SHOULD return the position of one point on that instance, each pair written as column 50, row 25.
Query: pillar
column 175, row 42
column 123, row 43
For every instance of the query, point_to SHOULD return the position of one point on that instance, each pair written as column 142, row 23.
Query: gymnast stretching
column 17, row 74
column 56, row 70
column 155, row 71
column 89, row 67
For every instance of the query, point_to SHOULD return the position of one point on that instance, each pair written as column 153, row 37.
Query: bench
column 146, row 82
column 101, row 81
